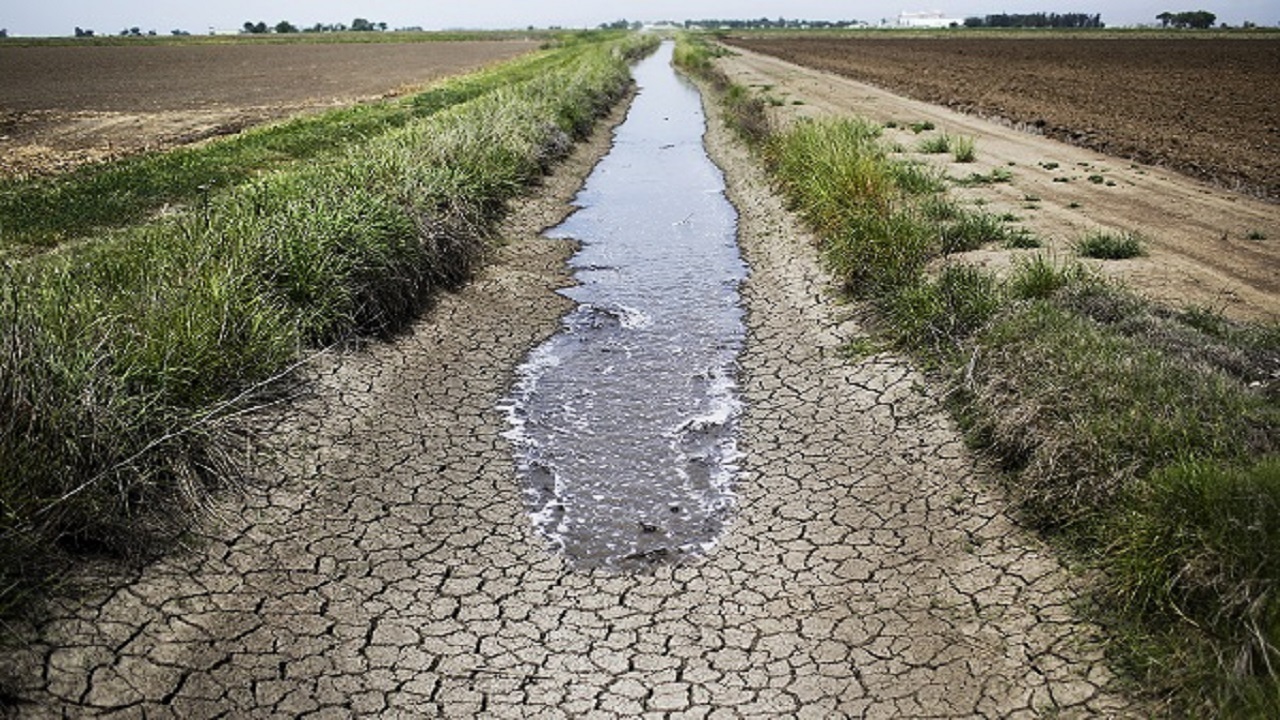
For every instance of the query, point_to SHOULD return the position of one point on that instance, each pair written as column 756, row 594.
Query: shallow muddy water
column 624, row 421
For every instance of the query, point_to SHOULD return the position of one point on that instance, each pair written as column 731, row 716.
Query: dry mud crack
column 384, row 565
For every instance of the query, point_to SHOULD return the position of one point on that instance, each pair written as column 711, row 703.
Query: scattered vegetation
column 124, row 357
column 1104, row 245
column 1145, row 438
column 997, row 175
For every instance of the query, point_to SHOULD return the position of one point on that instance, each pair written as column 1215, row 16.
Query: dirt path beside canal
column 384, row 565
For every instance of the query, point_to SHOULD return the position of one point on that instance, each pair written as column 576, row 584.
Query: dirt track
column 61, row 106
column 1203, row 106
column 385, row 564
column 1202, row 241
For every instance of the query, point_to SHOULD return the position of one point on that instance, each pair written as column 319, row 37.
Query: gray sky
column 60, row 17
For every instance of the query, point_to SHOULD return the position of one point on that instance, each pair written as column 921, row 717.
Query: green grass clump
column 961, row 148
column 842, row 181
column 1197, row 549
column 1040, row 277
column 972, row 230
column 964, row 150
column 1103, row 245
column 938, row 315
column 936, row 144
column 122, row 359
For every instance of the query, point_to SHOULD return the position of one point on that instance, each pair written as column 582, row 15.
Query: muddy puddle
column 623, row 422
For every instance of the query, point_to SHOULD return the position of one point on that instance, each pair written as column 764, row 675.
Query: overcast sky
column 61, row 17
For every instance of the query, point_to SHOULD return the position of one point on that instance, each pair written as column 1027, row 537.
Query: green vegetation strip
column 123, row 357
column 39, row 213
column 1143, row 439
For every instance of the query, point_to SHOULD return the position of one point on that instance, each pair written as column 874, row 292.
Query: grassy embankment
column 1143, row 439
column 36, row 214
column 125, row 356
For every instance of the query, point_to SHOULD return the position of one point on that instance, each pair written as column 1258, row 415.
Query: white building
column 928, row 19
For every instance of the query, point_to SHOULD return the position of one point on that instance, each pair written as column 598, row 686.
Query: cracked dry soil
column 384, row 564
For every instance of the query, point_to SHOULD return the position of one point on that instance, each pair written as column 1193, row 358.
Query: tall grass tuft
column 1110, row 245
column 123, row 359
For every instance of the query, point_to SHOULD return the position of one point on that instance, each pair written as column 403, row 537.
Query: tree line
column 1200, row 19
column 285, row 27
column 1036, row 20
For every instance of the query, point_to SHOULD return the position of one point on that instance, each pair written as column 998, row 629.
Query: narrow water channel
column 624, row 420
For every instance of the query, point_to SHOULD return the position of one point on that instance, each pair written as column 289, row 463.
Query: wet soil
column 1203, row 106
column 63, row 106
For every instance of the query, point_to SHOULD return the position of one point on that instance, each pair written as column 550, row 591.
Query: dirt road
column 1206, row 246
column 385, row 565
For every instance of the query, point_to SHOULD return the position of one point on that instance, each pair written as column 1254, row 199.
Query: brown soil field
column 61, row 106
column 1203, row 106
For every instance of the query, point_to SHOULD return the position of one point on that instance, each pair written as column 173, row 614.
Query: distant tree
column 382, row 27
column 81, row 32
column 179, row 33
column 284, row 27
column 4, row 32
column 361, row 25
column 258, row 28
column 1198, row 19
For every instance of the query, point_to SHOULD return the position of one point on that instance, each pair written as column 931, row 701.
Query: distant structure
column 928, row 19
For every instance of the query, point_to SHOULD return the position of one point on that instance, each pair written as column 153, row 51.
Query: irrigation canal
column 624, row 420
column 382, row 562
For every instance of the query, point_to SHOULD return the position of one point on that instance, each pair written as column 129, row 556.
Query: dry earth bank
column 61, row 106
column 1206, row 246
column 385, row 564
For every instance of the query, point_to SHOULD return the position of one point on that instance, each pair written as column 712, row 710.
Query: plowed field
column 64, row 105
column 1203, row 106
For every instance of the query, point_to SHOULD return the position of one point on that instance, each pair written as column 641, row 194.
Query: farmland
column 114, row 100
column 1204, row 106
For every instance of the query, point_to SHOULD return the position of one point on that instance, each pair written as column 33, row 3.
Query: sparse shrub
column 940, row 314
column 963, row 149
column 935, row 144
column 1103, row 245
column 1021, row 239
column 971, row 231
column 1039, row 277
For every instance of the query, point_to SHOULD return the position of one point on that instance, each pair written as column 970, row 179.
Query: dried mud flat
column 1203, row 106
column 63, row 106
column 1205, row 246
column 384, row 564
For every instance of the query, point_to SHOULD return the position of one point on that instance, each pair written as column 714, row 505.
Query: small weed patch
column 1110, row 245
column 997, row 175
column 963, row 149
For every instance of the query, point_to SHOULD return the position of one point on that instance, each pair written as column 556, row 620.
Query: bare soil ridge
column 1203, row 106
column 385, row 563
column 1203, row 245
